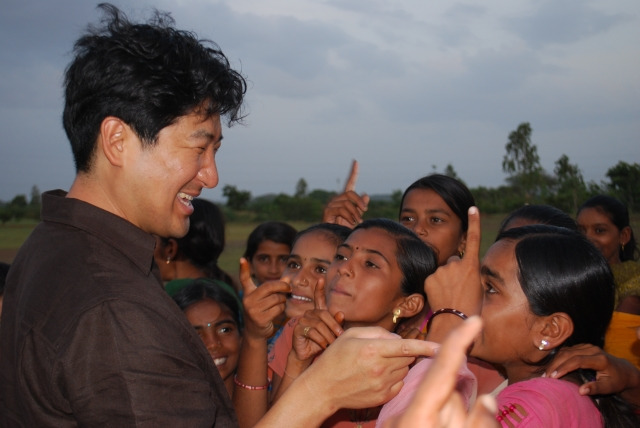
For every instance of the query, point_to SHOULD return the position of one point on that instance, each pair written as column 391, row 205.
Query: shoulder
column 546, row 402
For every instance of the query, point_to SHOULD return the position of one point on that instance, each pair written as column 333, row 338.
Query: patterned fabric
column 545, row 402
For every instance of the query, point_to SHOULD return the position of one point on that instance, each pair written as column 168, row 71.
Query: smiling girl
column 376, row 279
column 213, row 309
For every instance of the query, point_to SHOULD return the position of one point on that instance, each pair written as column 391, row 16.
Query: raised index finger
column 472, row 247
column 319, row 299
column 248, row 285
column 353, row 177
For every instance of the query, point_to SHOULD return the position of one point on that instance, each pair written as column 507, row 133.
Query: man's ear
column 553, row 330
column 411, row 305
column 111, row 141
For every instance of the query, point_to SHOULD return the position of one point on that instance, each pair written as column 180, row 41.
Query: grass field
column 13, row 234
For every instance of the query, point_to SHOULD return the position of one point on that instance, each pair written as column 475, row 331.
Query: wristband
column 249, row 387
column 445, row 311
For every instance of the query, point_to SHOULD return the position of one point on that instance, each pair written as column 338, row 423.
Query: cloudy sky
column 404, row 86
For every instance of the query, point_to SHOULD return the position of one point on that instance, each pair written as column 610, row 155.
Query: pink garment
column 466, row 385
column 545, row 402
column 277, row 359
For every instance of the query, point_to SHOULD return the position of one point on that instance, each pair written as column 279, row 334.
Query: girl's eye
column 340, row 257
column 321, row 270
column 436, row 220
column 406, row 219
column 293, row 265
column 371, row 264
column 488, row 288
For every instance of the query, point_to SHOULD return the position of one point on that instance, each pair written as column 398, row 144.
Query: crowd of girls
column 544, row 291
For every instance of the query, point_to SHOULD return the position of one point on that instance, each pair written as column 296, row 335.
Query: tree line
column 527, row 183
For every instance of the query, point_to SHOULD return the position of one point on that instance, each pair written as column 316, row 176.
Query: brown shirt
column 90, row 338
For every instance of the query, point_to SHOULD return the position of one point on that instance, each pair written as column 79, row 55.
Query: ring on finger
column 305, row 332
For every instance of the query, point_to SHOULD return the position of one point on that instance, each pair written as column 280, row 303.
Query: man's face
column 163, row 180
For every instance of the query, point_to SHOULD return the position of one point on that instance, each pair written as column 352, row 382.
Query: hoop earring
column 396, row 315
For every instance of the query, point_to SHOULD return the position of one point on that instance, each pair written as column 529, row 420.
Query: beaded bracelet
column 445, row 311
column 249, row 387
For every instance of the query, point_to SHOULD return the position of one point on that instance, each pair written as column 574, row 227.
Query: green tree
column 570, row 186
column 624, row 181
column 18, row 206
column 522, row 163
column 236, row 199
column 301, row 188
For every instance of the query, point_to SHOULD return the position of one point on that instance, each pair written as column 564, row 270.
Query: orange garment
column 621, row 339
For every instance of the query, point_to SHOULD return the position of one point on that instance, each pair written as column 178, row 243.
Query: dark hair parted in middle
column 454, row 193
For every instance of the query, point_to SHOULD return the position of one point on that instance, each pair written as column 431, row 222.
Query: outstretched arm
column 378, row 361
column 613, row 375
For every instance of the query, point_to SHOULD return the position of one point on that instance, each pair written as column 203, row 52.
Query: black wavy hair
column 148, row 75
column 197, row 290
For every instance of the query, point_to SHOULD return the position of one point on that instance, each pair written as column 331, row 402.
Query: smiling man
column 89, row 336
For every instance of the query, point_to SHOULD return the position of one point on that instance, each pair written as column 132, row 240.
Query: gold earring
column 396, row 315
column 168, row 260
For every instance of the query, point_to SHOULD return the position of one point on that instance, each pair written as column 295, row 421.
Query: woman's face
column 505, row 338
column 600, row 230
column 218, row 330
column 269, row 261
column 429, row 216
column 308, row 262
column 364, row 279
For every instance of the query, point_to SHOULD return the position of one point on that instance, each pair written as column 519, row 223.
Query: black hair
column 559, row 270
column 148, row 75
column 618, row 213
column 205, row 240
column 197, row 290
column 275, row 231
column 454, row 193
column 334, row 232
column 540, row 214
column 416, row 259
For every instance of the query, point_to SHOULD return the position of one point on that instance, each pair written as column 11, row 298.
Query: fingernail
column 544, row 375
column 554, row 374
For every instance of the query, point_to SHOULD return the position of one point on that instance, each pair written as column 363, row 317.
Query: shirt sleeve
column 127, row 365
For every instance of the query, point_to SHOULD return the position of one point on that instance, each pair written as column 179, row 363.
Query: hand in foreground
column 613, row 375
column 364, row 367
column 436, row 403
column 317, row 328
column 261, row 304
column 457, row 284
column 348, row 207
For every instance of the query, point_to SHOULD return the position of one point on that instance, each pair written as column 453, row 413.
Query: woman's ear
column 462, row 244
column 411, row 305
column 554, row 330
column 168, row 250
column 625, row 235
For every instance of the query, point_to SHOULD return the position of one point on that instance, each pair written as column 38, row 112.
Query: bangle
column 249, row 387
column 445, row 311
